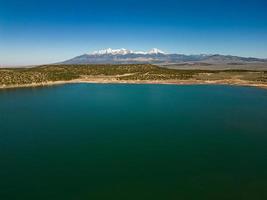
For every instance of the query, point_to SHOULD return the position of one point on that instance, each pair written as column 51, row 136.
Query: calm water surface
column 93, row 141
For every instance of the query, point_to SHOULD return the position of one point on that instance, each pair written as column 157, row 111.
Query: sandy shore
column 234, row 82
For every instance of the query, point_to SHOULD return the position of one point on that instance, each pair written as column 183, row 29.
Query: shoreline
column 152, row 82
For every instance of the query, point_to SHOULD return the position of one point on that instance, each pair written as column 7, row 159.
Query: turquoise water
column 93, row 141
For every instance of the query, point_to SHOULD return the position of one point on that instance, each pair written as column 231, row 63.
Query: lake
column 108, row 141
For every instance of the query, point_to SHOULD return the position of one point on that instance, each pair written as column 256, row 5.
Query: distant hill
column 154, row 56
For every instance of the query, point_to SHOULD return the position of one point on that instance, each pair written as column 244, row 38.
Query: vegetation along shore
column 132, row 73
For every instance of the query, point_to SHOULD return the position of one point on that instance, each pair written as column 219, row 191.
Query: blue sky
column 36, row 32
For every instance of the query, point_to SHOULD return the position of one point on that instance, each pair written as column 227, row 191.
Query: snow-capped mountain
column 123, row 51
column 155, row 51
column 154, row 56
column 112, row 51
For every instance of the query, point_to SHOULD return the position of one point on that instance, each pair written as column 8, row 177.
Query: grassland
column 57, row 74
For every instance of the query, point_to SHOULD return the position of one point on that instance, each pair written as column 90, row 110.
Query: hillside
column 58, row 74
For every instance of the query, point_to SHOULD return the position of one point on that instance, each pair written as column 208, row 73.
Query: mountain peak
column 123, row 51
column 156, row 51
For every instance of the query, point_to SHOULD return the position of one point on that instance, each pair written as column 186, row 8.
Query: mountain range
column 155, row 56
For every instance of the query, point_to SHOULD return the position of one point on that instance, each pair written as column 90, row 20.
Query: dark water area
column 108, row 141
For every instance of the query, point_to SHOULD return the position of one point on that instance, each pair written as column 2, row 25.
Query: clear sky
column 36, row 32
